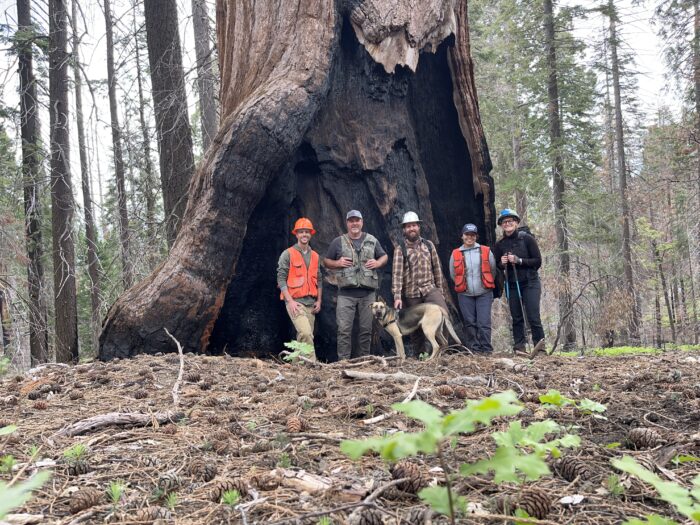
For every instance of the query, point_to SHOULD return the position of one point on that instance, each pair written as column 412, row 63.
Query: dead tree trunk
column 62, row 204
column 558, row 183
column 31, row 167
column 316, row 119
column 206, row 82
column 170, row 108
column 93, row 263
column 125, row 252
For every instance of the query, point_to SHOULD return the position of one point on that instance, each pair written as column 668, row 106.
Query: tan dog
column 428, row 317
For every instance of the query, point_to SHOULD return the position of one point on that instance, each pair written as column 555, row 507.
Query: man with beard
column 356, row 257
column 416, row 275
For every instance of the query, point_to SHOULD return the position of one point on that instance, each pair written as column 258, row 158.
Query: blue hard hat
column 507, row 213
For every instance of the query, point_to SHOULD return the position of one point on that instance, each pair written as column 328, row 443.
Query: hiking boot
column 539, row 348
column 520, row 350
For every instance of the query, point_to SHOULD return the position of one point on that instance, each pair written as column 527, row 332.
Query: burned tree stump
column 325, row 108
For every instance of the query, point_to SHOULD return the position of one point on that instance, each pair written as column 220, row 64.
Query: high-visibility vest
column 487, row 278
column 302, row 281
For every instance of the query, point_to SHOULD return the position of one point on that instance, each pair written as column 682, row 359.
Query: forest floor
column 235, row 428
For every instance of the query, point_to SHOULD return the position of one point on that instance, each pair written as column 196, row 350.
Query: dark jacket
column 524, row 246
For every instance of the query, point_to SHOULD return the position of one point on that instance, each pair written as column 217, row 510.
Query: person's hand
column 397, row 304
column 317, row 306
column 345, row 262
column 294, row 307
column 504, row 260
column 371, row 264
column 513, row 259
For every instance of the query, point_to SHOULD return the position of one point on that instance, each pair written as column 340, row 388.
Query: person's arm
column 397, row 277
column 333, row 259
column 452, row 267
column 282, row 274
column 533, row 250
column 492, row 263
column 319, row 287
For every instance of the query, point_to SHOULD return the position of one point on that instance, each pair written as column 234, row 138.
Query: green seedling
column 171, row 500
column 614, row 486
column 586, row 406
column 686, row 501
column 6, row 463
column 33, row 452
column 76, row 452
column 423, row 356
column 520, row 453
column 116, row 491
column 231, row 498
column 369, row 410
column 251, row 425
column 324, row 520
column 299, row 349
column 284, row 461
column 4, row 365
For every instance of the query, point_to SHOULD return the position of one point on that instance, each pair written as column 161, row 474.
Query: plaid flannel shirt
column 421, row 275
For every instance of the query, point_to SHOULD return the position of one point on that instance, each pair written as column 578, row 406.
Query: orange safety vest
column 302, row 281
column 461, row 274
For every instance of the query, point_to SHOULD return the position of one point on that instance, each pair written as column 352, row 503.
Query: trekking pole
column 507, row 287
column 522, row 309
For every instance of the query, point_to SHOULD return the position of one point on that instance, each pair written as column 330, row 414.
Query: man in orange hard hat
column 299, row 280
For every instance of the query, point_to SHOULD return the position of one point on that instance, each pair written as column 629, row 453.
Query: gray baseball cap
column 469, row 228
column 353, row 213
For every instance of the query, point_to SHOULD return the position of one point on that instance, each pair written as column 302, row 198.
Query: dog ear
column 381, row 299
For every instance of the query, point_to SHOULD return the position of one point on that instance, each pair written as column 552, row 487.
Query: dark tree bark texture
column 315, row 121
column 170, row 108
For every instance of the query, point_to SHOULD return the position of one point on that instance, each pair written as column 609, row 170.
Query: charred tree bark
column 558, row 182
column 62, row 204
column 315, row 121
column 170, row 108
column 31, row 167
column 93, row 262
column 206, row 82
column 125, row 251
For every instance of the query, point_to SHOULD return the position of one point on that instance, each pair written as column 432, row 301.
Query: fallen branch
column 117, row 419
column 397, row 376
column 176, row 386
column 382, row 417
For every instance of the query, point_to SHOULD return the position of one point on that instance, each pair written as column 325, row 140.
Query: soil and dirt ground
column 271, row 430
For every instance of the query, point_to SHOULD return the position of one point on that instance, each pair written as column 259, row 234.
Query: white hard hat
column 410, row 216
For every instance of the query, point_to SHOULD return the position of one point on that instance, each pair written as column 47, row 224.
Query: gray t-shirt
column 335, row 252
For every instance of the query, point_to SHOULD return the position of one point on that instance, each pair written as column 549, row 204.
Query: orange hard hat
column 303, row 224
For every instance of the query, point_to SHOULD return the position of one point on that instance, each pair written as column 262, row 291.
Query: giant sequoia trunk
column 323, row 109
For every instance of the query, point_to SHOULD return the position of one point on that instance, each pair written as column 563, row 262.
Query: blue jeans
column 476, row 312
column 530, row 291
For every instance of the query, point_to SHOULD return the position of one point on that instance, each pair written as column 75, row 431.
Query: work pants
column 476, row 312
column 530, row 292
column 345, row 311
column 303, row 321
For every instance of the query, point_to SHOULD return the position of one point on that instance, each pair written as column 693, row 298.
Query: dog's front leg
column 398, row 340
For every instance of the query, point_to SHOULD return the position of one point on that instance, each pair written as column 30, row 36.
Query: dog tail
column 451, row 330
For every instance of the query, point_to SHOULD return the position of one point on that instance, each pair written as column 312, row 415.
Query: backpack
column 406, row 260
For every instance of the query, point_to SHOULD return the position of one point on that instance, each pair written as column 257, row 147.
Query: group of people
column 417, row 277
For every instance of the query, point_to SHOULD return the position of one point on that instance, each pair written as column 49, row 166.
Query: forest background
column 590, row 113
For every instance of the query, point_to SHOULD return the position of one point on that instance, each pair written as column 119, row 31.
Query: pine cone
column 169, row 429
column 502, row 504
column 103, row 380
column 213, row 419
column 210, row 402
column 571, row 468
column 225, row 485
column 205, row 385
column 173, row 359
column 406, row 469
column 305, row 401
column 151, row 514
column 34, row 395
column 169, row 482
column 78, row 467
column 220, row 447
column 296, row 424
column 145, row 372
column 445, row 390
column 41, row 405
column 193, row 377
column 84, row 499
column 201, row 470
column 75, row 395
column 261, row 387
column 644, row 438
column 416, row 516
column 221, row 435
column 140, row 394
column 536, row 503
column 265, row 482
column 364, row 516
column 319, row 393
column 461, row 392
